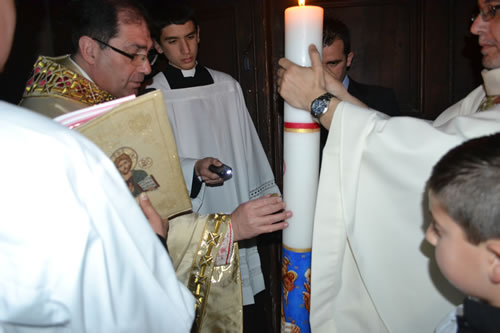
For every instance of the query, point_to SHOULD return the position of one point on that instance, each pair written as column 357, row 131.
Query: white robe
column 471, row 103
column 213, row 121
column 372, row 270
column 77, row 254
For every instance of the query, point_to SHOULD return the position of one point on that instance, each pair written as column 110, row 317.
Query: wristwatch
column 320, row 105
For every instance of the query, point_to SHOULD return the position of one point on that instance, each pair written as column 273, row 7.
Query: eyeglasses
column 137, row 59
column 487, row 14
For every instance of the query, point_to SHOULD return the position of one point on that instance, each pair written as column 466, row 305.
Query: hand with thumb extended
column 299, row 86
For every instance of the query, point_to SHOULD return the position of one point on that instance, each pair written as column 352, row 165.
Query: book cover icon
column 136, row 135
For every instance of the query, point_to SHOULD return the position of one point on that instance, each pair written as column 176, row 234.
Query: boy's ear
column 493, row 247
column 157, row 47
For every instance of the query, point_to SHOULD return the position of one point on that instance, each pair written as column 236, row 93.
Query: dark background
column 420, row 48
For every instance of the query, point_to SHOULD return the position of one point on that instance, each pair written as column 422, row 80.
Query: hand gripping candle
column 303, row 27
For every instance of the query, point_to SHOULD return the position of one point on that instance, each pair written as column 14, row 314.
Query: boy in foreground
column 464, row 197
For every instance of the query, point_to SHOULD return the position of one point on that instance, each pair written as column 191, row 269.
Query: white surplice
column 372, row 270
column 470, row 104
column 213, row 121
column 77, row 253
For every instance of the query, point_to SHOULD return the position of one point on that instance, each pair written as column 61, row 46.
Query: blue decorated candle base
column 295, row 290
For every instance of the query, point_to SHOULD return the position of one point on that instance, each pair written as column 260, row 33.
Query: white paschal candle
column 303, row 27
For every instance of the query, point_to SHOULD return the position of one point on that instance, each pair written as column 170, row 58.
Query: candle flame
column 302, row 2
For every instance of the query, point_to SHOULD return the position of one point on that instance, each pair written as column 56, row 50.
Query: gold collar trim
column 50, row 78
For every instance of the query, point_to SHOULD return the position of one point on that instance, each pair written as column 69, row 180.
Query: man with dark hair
column 209, row 118
column 463, row 193
column 337, row 57
column 110, row 59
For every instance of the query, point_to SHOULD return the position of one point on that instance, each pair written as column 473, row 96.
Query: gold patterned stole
column 222, row 311
column 491, row 85
column 54, row 77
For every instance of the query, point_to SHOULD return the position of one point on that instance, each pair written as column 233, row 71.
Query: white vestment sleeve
column 372, row 271
column 77, row 253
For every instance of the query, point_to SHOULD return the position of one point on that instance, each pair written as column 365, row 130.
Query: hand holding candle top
column 299, row 86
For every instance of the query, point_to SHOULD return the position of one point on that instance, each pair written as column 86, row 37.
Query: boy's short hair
column 162, row 17
column 466, row 181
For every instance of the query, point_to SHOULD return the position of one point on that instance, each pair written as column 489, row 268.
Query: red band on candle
column 308, row 126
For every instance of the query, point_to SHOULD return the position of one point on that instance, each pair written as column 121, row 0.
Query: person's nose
column 479, row 25
column 145, row 68
column 184, row 47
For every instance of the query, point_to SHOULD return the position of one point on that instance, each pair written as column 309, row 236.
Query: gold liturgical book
column 137, row 136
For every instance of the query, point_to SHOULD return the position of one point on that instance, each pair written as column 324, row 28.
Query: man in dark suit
column 337, row 58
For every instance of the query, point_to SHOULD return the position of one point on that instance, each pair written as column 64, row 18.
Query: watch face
column 320, row 105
